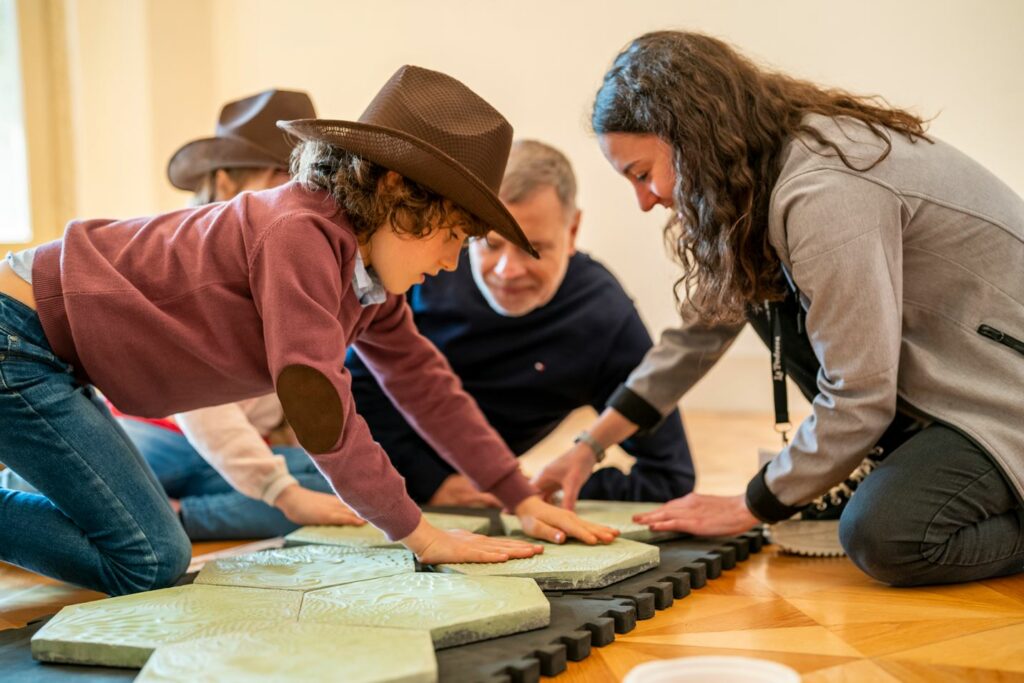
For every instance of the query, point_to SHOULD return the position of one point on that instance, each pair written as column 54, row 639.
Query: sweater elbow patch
column 312, row 406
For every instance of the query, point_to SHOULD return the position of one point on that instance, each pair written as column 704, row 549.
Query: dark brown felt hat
column 247, row 136
column 432, row 129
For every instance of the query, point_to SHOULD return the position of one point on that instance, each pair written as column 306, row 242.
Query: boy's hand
column 434, row 546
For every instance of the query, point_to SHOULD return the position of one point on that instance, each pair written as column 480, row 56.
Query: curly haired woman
column 885, row 268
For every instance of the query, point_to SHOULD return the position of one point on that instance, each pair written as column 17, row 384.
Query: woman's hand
column 434, row 546
column 568, row 473
column 701, row 515
column 554, row 524
column 305, row 507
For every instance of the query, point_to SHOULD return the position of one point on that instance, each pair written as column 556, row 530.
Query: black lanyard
column 782, row 423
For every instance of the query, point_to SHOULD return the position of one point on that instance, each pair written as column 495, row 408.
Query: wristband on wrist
column 586, row 438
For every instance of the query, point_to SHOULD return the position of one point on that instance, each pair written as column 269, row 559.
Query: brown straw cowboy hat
column 246, row 137
column 432, row 129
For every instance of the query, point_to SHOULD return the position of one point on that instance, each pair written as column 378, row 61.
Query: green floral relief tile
column 303, row 653
column 124, row 631
column 455, row 609
column 368, row 536
column 571, row 566
column 307, row 567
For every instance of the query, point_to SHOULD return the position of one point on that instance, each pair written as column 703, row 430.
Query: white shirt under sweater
column 231, row 438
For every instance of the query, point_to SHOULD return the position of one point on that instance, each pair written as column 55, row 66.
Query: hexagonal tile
column 300, row 653
column 572, row 566
column 368, row 536
column 308, row 567
column 613, row 513
column 455, row 609
column 124, row 631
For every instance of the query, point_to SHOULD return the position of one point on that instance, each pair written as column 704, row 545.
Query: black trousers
column 936, row 510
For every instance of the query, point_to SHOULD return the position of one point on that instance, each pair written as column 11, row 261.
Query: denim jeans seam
column 152, row 557
column 942, row 507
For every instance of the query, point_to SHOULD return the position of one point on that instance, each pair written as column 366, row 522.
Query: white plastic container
column 712, row 670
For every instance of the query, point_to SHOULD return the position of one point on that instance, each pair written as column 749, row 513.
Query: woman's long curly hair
column 727, row 121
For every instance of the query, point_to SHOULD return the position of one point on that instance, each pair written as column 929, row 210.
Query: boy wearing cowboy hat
column 235, row 470
column 233, row 300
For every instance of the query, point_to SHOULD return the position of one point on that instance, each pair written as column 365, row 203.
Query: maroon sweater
column 207, row 306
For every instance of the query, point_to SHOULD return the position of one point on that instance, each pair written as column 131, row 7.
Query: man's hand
column 554, row 524
column 568, row 473
column 434, row 546
column 305, row 507
column 457, row 490
column 701, row 515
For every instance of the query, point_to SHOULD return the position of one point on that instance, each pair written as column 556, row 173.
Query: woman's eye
column 641, row 177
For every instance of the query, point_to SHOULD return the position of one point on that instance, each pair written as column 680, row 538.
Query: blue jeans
column 210, row 507
column 99, row 517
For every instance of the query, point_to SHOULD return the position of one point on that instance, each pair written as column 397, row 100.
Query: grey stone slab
column 571, row 566
column 368, row 536
column 308, row 567
column 455, row 609
column 612, row 513
column 299, row 653
column 124, row 631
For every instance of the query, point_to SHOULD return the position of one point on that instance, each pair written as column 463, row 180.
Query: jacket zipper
column 1001, row 337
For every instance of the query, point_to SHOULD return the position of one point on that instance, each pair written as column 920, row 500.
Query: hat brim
column 196, row 159
column 419, row 161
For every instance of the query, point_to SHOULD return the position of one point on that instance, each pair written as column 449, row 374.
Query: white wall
column 539, row 62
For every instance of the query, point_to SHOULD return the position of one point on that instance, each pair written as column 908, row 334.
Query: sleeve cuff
column 763, row 503
column 274, row 488
column 513, row 489
column 399, row 521
column 635, row 408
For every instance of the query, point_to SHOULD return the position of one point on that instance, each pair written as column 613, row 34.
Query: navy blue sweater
column 528, row 373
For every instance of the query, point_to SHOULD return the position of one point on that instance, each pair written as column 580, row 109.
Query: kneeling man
column 532, row 340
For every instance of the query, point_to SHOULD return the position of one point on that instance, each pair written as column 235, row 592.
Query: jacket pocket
column 1001, row 337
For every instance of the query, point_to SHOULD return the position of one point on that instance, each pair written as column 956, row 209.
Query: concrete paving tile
column 124, row 631
column 308, row 567
column 571, row 566
column 455, row 609
column 298, row 653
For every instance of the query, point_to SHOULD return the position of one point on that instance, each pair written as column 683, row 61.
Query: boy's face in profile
column 402, row 260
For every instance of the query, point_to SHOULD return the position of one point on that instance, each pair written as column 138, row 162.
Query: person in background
column 531, row 340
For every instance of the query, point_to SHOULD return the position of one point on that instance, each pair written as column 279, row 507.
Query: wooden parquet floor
column 821, row 617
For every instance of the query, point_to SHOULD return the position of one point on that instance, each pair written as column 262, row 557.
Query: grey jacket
column 898, row 268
